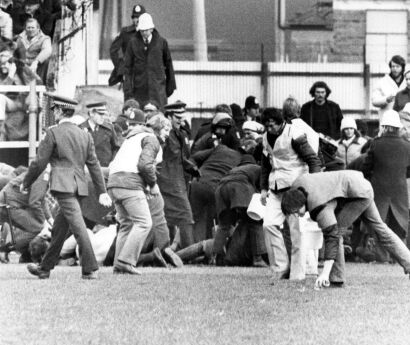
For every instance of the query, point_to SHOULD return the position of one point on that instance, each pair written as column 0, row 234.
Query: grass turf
column 203, row 305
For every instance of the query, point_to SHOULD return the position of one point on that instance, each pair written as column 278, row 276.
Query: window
column 386, row 35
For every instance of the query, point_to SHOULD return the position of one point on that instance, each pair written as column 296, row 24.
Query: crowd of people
column 26, row 33
column 155, row 193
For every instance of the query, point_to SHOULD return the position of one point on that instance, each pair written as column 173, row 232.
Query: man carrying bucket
column 233, row 195
column 334, row 200
column 287, row 155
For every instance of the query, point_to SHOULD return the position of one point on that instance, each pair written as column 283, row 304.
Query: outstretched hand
column 322, row 281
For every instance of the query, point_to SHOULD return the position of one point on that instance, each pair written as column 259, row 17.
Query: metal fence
column 202, row 85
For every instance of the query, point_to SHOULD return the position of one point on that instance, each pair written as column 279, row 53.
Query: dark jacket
column 106, row 141
column 386, row 166
column 402, row 97
column 203, row 139
column 117, row 53
column 149, row 73
column 172, row 178
column 68, row 149
column 215, row 163
column 243, row 182
column 334, row 119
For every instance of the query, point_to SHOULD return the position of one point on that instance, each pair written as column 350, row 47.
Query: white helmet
column 391, row 118
column 145, row 22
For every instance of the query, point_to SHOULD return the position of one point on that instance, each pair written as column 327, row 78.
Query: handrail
column 40, row 89
column 15, row 144
column 20, row 88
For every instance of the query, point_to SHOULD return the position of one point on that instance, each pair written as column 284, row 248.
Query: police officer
column 104, row 135
column 172, row 178
column 119, row 45
column 67, row 148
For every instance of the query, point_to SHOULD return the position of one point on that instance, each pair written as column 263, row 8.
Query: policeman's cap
column 137, row 10
column 61, row 101
column 177, row 108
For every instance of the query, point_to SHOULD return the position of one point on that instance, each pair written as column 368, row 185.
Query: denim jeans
column 158, row 237
column 135, row 223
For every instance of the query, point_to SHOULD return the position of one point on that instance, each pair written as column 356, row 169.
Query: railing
column 39, row 90
column 202, row 85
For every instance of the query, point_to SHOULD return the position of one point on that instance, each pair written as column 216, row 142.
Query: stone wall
column 349, row 36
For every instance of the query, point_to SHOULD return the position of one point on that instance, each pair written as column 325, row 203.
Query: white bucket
column 256, row 210
column 313, row 239
column 311, row 233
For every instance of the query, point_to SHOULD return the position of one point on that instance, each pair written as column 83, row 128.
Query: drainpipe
column 199, row 31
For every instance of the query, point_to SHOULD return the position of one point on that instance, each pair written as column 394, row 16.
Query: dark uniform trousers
column 69, row 218
column 68, row 148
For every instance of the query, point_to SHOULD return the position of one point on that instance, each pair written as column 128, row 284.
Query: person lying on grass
column 334, row 200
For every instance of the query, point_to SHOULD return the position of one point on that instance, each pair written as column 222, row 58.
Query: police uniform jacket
column 67, row 148
column 172, row 179
column 117, row 52
column 106, row 141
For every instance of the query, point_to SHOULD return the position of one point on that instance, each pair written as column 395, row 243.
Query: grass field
column 203, row 305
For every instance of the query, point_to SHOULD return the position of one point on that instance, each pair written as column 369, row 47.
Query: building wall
column 236, row 29
column 349, row 28
column 309, row 46
column 349, row 36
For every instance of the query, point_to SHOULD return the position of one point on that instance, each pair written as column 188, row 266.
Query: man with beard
column 384, row 93
column 322, row 115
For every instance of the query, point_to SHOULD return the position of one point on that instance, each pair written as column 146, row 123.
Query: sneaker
column 90, row 276
column 35, row 270
column 123, row 268
column 173, row 258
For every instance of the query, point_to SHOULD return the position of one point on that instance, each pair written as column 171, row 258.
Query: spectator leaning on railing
column 34, row 48
column 13, row 114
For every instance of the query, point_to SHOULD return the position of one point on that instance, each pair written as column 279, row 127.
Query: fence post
column 264, row 78
column 32, row 121
column 366, row 84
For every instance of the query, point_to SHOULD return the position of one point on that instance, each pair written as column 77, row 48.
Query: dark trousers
column 69, row 218
column 247, row 241
column 202, row 199
column 229, row 218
